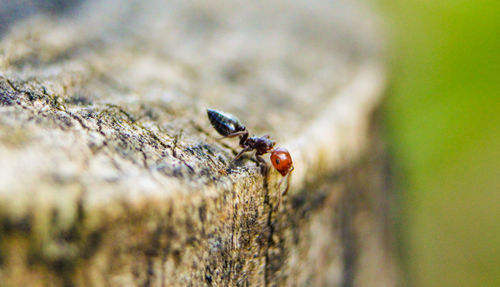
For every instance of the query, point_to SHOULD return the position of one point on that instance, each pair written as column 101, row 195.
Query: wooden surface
column 111, row 175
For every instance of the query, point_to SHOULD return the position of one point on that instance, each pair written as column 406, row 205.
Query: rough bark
column 110, row 174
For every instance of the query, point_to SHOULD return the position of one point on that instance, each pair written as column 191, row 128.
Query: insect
column 229, row 126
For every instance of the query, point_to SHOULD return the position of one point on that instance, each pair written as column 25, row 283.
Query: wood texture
column 110, row 174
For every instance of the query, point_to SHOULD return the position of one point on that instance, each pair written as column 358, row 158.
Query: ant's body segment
column 228, row 125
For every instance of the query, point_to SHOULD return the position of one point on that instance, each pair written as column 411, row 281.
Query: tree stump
column 111, row 175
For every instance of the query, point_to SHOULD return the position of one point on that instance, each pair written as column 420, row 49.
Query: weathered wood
column 110, row 174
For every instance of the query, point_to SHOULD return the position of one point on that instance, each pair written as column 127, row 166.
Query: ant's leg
column 238, row 156
column 280, row 194
column 260, row 159
column 287, row 180
column 234, row 135
column 279, row 200
column 262, row 162
column 241, row 153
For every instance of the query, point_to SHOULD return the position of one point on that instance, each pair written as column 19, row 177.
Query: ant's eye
column 277, row 161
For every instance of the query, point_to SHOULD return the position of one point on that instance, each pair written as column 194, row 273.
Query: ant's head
column 281, row 160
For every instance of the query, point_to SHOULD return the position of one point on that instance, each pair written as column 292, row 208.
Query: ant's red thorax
column 281, row 160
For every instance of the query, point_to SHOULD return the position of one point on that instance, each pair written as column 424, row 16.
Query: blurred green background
column 442, row 119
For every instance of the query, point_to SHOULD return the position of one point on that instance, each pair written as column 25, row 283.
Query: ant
column 229, row 126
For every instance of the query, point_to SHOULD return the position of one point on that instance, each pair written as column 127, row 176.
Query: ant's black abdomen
column 224, row 124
